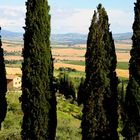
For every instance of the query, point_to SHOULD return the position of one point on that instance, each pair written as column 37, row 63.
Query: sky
column 70, row 16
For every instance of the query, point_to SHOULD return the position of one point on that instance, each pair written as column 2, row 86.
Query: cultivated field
column 67, row 56
column 13, row 71
column 12, row 47
column 123, row 57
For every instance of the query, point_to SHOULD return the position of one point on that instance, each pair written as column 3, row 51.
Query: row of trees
column 99, row 90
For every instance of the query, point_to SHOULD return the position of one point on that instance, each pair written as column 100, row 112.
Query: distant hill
column 12, row 36
column 69, row 38
column 123, row 37
column 75, row 38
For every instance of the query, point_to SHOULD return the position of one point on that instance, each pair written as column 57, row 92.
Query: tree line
column 98, row 92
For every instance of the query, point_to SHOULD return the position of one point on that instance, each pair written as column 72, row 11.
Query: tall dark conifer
column 111, row 96
column 80, row 94
column 66, row 86
column 132, row 99
column 3, row 86
column 97, row 122
column 38, row 97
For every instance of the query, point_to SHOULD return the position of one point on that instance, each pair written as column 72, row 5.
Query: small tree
column 3, row 86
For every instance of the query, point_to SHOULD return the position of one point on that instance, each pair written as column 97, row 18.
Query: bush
column 62, row 69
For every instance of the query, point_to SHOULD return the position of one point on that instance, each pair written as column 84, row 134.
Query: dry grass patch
column 13, row 71
column 12, row 47
column 123, row 46
column 12, row 57
column 74, row 58
column 123, row 57
column 68, row 52
column 122, row 73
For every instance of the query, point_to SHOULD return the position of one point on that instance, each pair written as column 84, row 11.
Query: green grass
column 123, row 65
column 68, row 127
column 120, row 65
column 123, row 78
column 77, row 74
column 75, row 62
column 68, row 120
column 11, row 126
column 14, row 65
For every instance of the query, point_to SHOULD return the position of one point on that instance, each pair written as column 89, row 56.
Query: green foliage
column 66, row 86
column 100, row 118
column 69, row 107
column 62, row 69
column 132, row 99
column 121, row 101
column 72, row 74
column 3, row 86
column 131, row 109
column 38, row 98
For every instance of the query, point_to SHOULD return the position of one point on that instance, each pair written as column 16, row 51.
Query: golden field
column 76, row 52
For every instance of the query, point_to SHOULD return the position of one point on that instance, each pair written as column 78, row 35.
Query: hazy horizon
column 22, row 32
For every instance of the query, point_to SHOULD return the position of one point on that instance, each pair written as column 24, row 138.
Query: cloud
column 121, row 21
column 12, row 18
column 78, row 20
column 66, row 20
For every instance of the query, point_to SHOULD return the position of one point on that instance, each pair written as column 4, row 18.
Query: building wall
column 17, row 82
column 13, row 82
column 9, row 84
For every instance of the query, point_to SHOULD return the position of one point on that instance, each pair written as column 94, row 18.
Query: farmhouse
column 13, row 82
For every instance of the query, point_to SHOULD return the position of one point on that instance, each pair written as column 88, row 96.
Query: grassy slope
column 68, row 124
column 68, row 115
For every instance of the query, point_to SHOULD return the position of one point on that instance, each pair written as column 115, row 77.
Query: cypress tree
column 132, row 99
column 38, row 97
column 66, row 86
column 100, row 92
column 3, row 86
column 111, row 97
column 80, row 94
